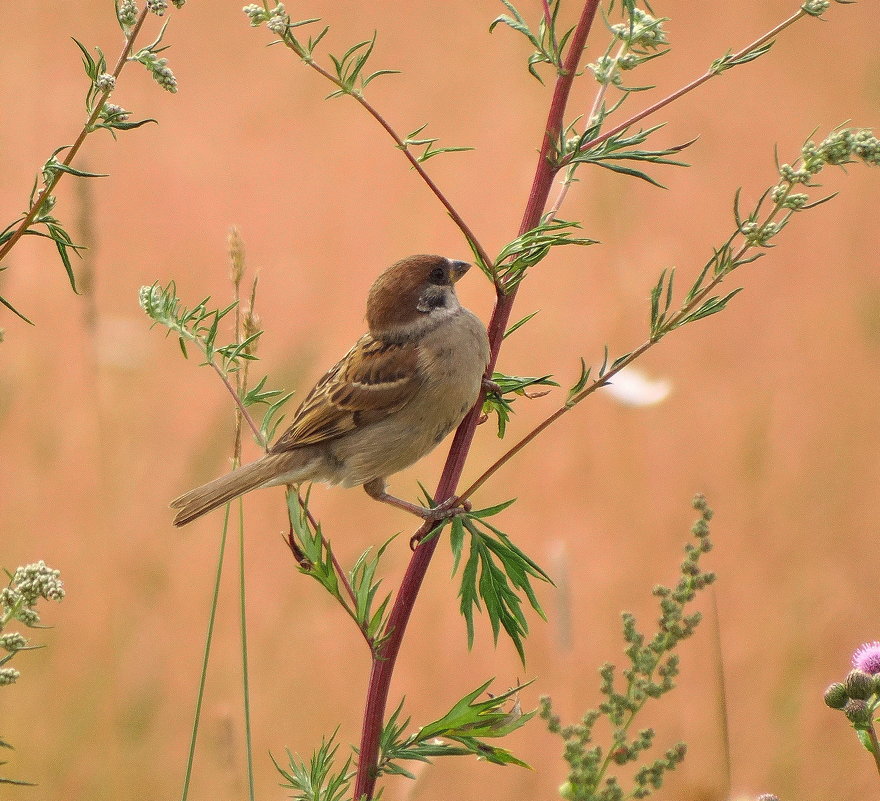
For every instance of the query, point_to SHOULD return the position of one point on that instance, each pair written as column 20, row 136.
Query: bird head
column 413, row 295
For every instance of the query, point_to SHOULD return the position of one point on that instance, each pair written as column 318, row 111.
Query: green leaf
column 469, row 719
column 619, row 168
column 369, row 617
column 496, row 402
column 519, row 323
column 495, row 576
column 709, row 307
column 527, row 250
column 15, row 311
column 59, row 167
column 581, row 383
column 728, row 60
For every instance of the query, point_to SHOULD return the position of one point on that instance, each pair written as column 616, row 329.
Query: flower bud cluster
column 858, row 695
column 157, row 7
column 36, row 581
column 159, row 69
column 607, row 70
column 28, row 585
column 642, row 32
column 759, row 235
column 105, row 82
column 112, row 113
column 127, row 13
column 278, row 24
column 12, row 641
column 816, row 8
column 8, row 676
column 258, row 15
column 783, row 195
column 843, row 146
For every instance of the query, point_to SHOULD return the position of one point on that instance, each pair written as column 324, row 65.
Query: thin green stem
column 74, row 148
column 241, row 378
column 209, row 638
column 245, row 674
column 240, row 406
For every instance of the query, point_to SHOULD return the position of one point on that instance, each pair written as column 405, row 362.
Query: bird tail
column 202, row 500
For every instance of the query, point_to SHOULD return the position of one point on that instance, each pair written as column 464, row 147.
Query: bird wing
column 374, row 379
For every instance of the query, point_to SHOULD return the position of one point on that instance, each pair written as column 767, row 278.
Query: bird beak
column 459, row 268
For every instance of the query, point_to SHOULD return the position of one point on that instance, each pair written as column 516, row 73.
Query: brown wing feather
column 373, row 380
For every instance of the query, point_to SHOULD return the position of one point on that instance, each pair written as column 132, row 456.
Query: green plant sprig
column 650, row 674
column 468, row 723
column 607, row 72
column 497, row 574
column 549, row 45
column 752, row 51
column 316, row 780
column 527, row 250
column 350, row 77
column 496, row 403
column 200, row 326
column 754, row 231
column 100, row 114
column 27, row 586
column 355, row 590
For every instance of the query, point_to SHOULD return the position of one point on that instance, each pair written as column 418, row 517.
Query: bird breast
column 452, row 359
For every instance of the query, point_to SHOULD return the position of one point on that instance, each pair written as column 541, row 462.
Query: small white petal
column 632, row 387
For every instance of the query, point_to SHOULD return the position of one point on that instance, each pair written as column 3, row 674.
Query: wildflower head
column 867, row 658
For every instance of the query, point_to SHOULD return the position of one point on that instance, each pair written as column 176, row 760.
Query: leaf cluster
column 730, row 60
column 496, row 575
column 358, row 593
column 548, row 44
column 467, row 724
column 650, row 673
column 350, row 68
column 498, row 404
column 618, row 148
column 199, row 325
column 274, row 400
column 43, row 216
column 515, row 259
column 413, row 139
column 317, row 781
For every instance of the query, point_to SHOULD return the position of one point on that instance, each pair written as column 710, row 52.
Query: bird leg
column 448, row 508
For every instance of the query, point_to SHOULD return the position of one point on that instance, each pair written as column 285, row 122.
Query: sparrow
column 390, row 400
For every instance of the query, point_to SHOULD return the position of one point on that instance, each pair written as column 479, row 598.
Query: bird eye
column 437, row 275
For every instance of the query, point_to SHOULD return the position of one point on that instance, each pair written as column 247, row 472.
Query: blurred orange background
column 773, row 412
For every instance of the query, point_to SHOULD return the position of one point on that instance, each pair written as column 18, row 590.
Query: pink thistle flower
column 867, row 658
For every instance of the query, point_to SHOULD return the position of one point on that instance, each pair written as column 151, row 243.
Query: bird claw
column 490, row 386
column 451, row 507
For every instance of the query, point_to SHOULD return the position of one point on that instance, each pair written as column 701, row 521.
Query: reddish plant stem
column 384, row 661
